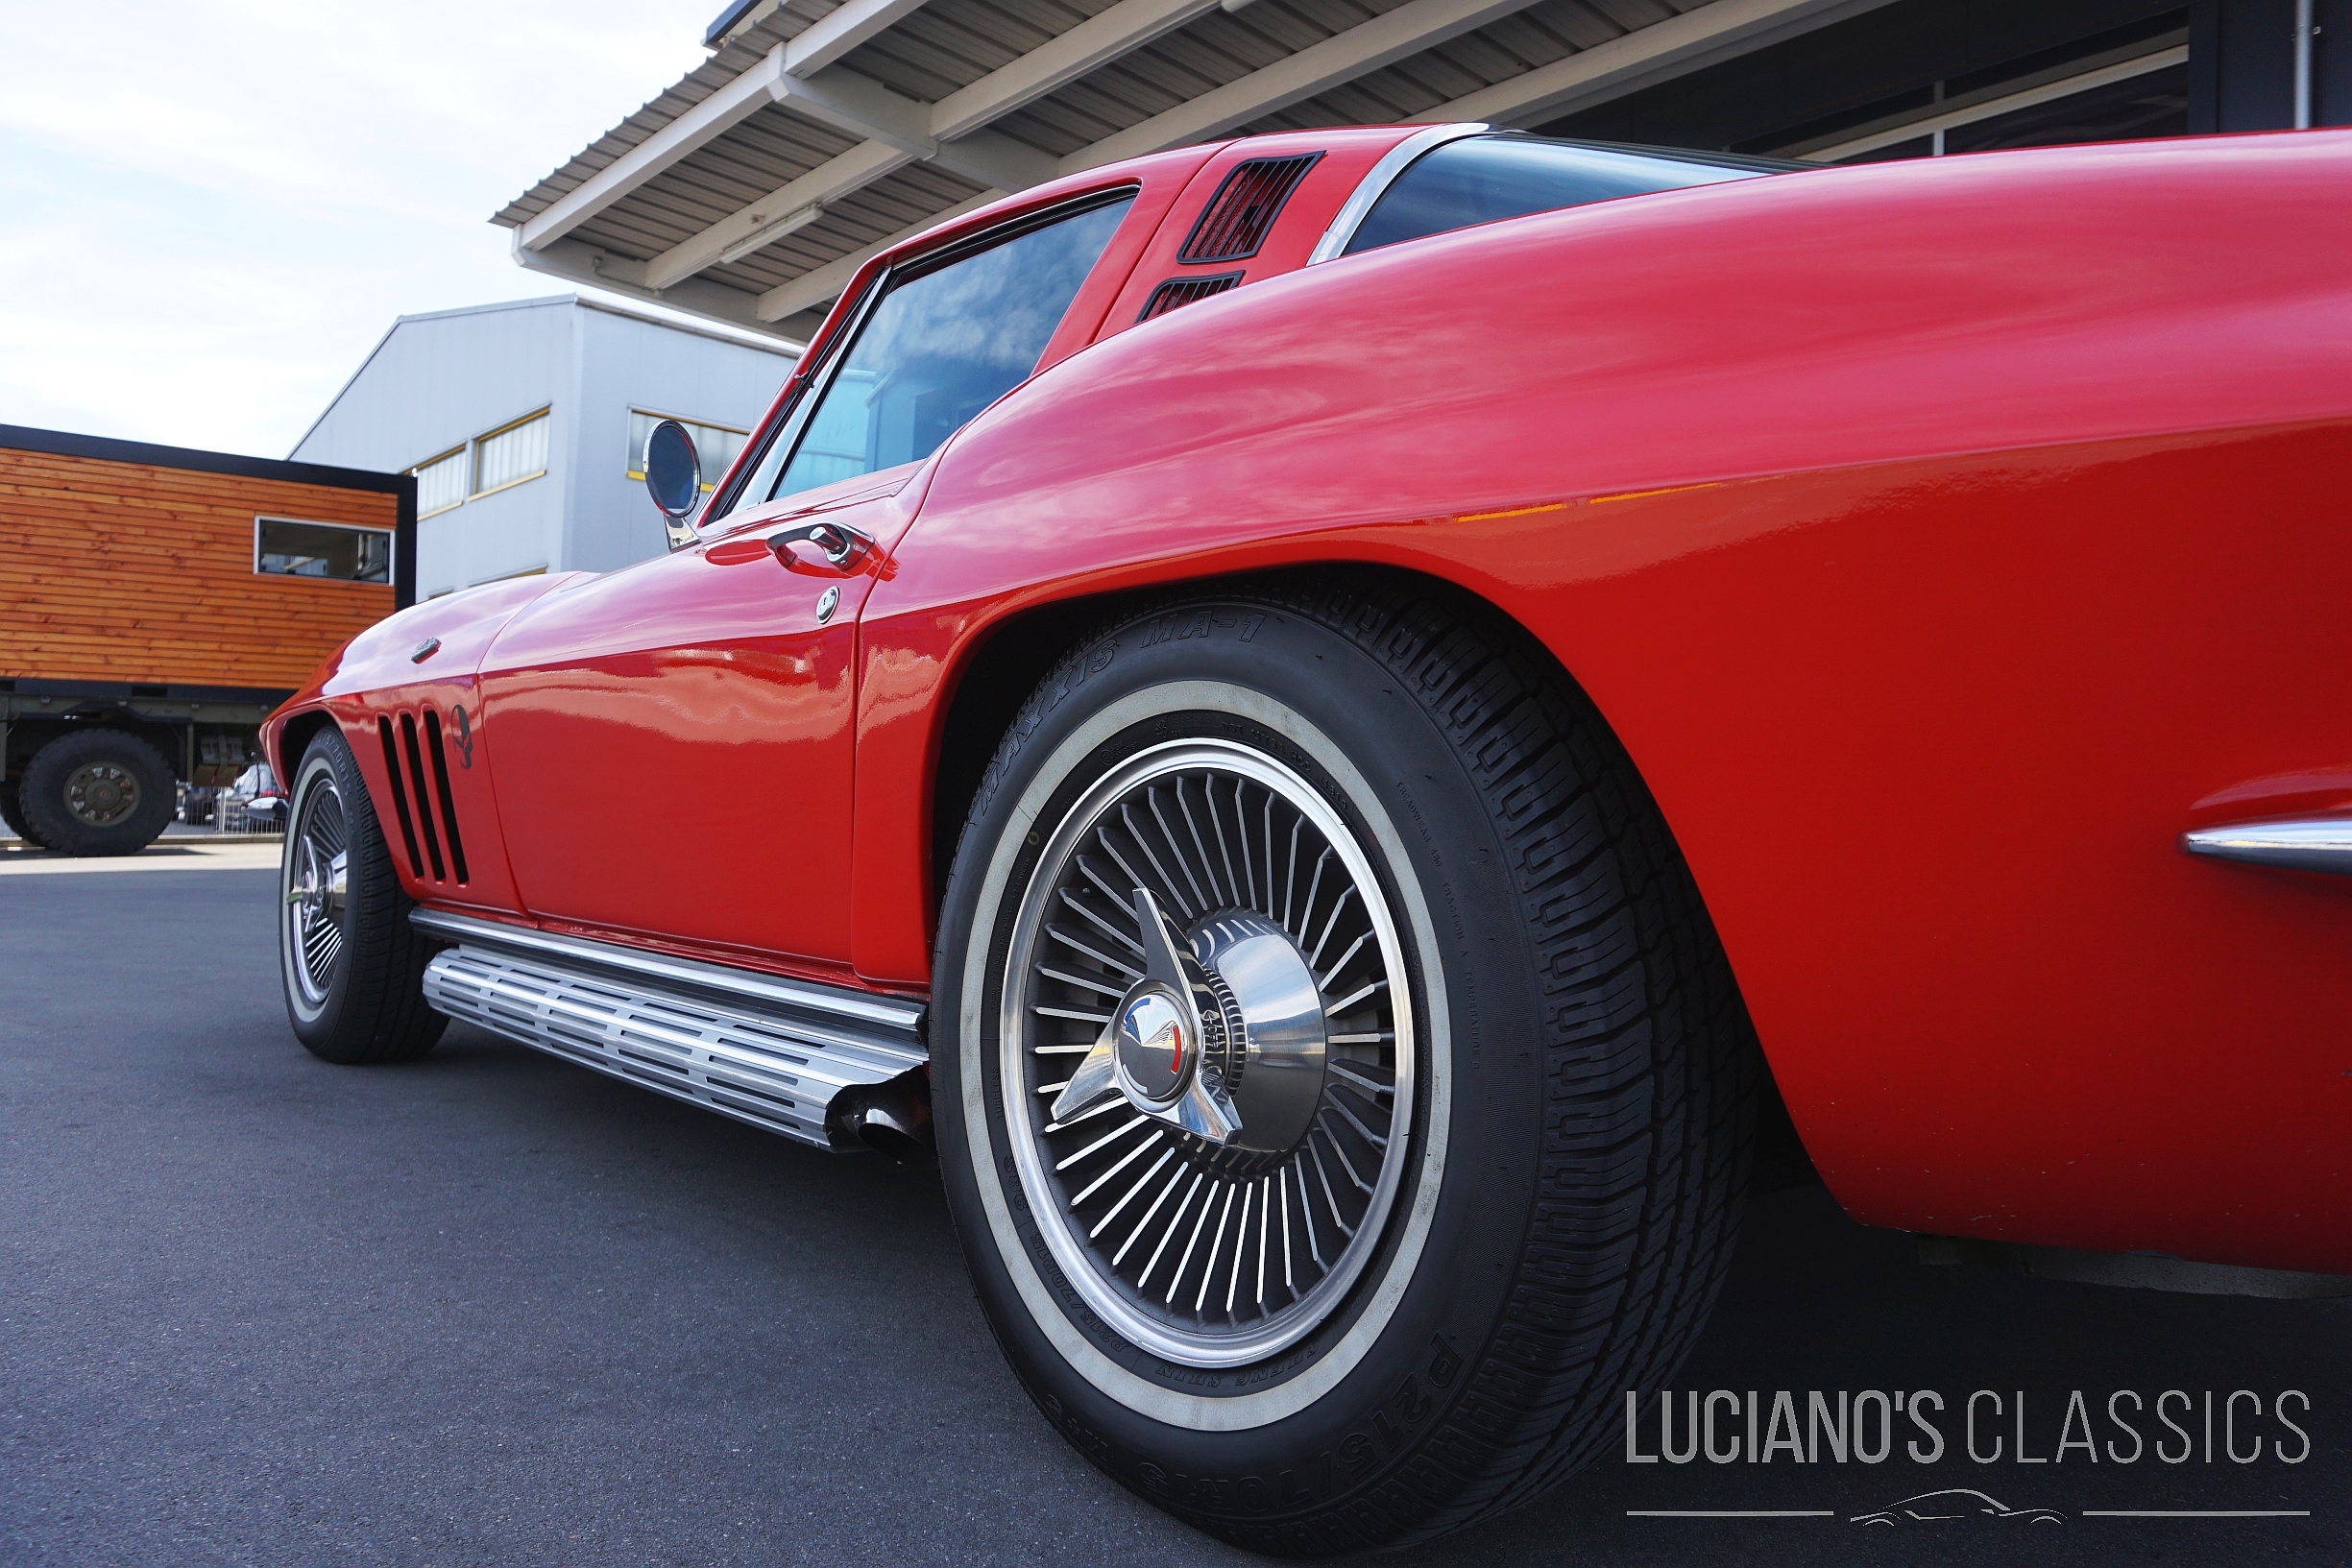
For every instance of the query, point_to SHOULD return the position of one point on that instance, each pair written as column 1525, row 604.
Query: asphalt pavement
column 493, row 1309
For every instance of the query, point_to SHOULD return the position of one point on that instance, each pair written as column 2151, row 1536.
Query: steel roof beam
column 864, row 106
column 901, row 131
column 736, row 102
column 821, row 285
column 842, row 99
column 577, row 262
column 1094, row 42
column 829, row 181
column 1368, row 46
column 1645, row 56
column 838, row 31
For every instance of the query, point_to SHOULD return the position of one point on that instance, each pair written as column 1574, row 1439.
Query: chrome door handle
column 844, row 546
column 2300, row 844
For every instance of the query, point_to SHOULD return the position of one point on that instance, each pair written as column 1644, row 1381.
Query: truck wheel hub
column 101, row 793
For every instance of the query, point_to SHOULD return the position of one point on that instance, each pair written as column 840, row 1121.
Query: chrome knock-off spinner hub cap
column 1157, row 1047
column 1206, row 1050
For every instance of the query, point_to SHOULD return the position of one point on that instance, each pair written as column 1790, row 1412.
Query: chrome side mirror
column 673, row 477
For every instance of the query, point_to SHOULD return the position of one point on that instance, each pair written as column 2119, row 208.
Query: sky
column 211, row 209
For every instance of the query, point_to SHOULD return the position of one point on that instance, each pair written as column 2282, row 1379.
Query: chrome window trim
column 1376, row 184
column 789, row 428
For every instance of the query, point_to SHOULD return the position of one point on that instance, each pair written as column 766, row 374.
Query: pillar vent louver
column 1240, row 215
column 1184, row 291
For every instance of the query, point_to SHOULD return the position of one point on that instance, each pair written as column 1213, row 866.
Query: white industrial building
column 524, row 422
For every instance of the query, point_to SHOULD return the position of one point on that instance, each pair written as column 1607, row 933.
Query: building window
column 2142, row 95
column 511, row 453
column 717, row 445
column 283, row 547
column 440, row 482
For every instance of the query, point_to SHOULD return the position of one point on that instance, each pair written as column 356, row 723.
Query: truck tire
column 351, row 965
column 96, row 793
column 12, row 812
column 1495, row 1086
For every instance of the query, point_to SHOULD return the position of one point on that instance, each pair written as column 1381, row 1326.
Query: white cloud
column 210, row 211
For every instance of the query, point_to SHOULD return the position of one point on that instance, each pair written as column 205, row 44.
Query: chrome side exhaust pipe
column 892, row 1118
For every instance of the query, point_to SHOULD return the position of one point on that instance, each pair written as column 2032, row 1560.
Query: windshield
column 1483, row 178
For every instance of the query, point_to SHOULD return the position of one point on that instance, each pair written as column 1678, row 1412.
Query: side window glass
column 1483, row 178
column 943, row 345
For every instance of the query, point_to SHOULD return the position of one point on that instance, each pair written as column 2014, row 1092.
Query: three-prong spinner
column 1156, row 1050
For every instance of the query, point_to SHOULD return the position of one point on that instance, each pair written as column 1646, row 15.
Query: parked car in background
column 1345, row 720
column 257, row 800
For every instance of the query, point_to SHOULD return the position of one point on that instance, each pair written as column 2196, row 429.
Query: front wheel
column 1342, row 1095
column 353, row 966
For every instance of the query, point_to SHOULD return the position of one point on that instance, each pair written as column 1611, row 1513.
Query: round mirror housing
column 673, row 476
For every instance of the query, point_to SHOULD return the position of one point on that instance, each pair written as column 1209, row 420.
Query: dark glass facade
column 1922, row 78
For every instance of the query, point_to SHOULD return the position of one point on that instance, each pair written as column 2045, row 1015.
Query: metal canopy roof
column 820, row 132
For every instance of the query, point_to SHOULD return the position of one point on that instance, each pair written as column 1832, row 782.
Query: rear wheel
column 1342, row 1095
column 353, row 966
column 96, row 793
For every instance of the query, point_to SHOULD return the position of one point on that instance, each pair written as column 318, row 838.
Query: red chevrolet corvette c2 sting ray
column 1358, row 727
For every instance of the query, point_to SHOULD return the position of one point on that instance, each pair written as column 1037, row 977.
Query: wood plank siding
column 117, row 569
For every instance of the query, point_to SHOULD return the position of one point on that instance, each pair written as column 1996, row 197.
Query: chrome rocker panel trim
column 764, row 1050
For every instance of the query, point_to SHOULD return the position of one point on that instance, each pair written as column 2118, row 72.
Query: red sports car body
column 1943, row 541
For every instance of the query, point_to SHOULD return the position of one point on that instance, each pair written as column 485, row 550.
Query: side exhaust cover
column 775, row 1052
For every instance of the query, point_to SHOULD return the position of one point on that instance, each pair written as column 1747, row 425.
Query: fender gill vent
column 425, row 810
column 399, row 798
column 1184, row 291
column 441, row 792
column 1235, row 222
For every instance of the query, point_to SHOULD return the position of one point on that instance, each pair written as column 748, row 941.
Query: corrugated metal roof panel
column 949, row 44
column 953, row 43
column 1505, row 48
column 690, row 89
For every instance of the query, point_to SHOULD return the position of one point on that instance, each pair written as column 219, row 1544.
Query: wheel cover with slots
column 1211, row 1254
column 317, row 890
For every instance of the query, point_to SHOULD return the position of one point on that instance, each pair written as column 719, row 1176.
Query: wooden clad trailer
column 155, row 603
